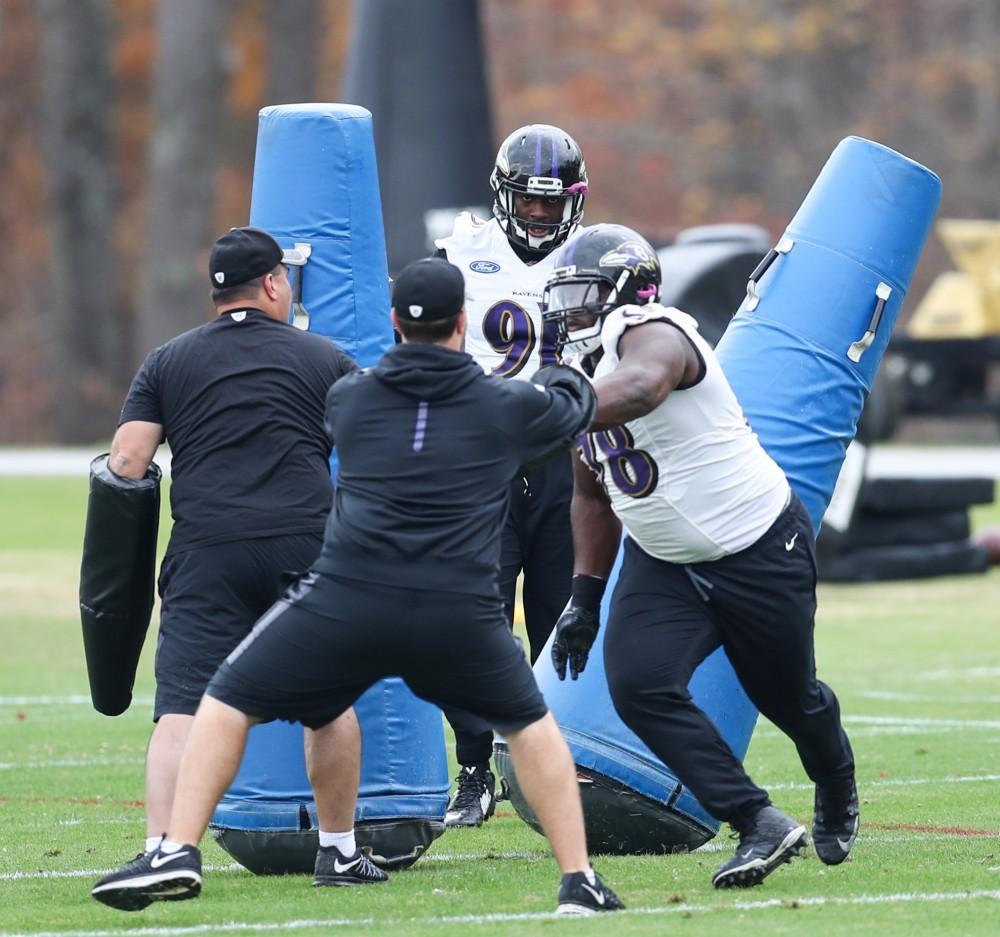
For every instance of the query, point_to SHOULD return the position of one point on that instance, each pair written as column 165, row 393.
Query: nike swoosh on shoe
column 162, row 859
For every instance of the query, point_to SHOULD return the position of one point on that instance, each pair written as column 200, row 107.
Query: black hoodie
column 428, row 445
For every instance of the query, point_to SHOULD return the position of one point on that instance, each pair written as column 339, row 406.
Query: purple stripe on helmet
column 554, row 159
column 538, row 155
column 421, row 427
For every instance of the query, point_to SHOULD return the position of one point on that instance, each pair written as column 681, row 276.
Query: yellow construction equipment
column 949, row 352
column 963, row 303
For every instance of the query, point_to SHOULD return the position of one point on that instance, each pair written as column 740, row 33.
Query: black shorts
column 211, row 596
column 318, row 649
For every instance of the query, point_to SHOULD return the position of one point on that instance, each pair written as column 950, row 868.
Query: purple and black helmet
column 602, row 268
column 544, row 161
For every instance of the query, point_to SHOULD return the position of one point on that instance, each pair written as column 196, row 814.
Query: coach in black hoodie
column 428, row 445
column 406, row 585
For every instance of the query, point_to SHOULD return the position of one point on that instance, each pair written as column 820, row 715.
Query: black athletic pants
column 759, row 604
column 537, row 539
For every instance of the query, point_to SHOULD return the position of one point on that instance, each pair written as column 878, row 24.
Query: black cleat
column 152, row 876
column 474, row 800
column 835, row 821
column 578, row 895
column 770, row 839
column 334, row 868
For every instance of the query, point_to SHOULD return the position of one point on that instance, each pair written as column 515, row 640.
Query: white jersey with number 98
column 502, row 299
column 690, row 481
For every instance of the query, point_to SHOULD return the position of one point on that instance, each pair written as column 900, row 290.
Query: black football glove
column 575, row 633
column 577, row 627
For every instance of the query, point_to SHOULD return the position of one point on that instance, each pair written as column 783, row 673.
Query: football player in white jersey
column 539, row 185
column 718, row 551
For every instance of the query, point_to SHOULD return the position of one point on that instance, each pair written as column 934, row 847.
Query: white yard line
column 68, row 763
column 680, row 908
column 919, row 721
column 96, row 873
column 965, row 673
column 905, row 722
column 894, row 697
column 76, row 699
column 893, row 782
column 862, row 726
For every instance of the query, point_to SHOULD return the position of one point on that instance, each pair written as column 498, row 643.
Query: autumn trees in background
column 127, row 140
column 127, row 131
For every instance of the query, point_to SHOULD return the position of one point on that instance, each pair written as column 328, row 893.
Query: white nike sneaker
column 334, row 868
column 152, row 876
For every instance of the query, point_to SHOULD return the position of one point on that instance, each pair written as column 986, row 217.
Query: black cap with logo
column 427, row 290
column 241, row 255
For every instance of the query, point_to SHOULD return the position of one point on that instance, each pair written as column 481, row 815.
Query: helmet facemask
column 516, row 228
column 578, row 306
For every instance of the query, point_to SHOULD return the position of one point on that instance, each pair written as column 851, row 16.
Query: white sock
column 168, row 846
column 591, row 876
column 343, row 841
column 152, row 842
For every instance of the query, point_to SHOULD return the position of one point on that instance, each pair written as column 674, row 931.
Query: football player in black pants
column 718, row 552
column 539, row 184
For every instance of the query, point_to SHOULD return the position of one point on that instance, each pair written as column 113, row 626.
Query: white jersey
column 502, row 299
column 689, row 481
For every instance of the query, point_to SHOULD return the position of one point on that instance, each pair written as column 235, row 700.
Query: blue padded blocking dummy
column 801, row 355
column 802, row 351
column 316, row 183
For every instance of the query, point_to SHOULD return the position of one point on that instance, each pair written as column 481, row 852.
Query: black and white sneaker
column 768, row 840
column 334, row 868
column 835, row 821
column 579, row 895
column 152, row 876
column 474, row 800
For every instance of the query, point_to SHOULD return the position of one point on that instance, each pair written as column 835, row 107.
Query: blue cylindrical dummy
column 800, row 354
column 315, row 181
column 802, row 351
column 316, row 184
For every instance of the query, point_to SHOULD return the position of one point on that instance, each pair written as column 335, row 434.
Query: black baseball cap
column 428, row 289
column 241, row 255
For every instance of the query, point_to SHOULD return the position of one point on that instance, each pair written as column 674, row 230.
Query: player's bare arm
column 596, row 528
column 133, row 448
column 654, row 359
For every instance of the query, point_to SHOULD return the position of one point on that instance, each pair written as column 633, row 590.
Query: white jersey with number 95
column 502, row 299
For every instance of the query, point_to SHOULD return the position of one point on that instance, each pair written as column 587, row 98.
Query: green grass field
column 916, row 666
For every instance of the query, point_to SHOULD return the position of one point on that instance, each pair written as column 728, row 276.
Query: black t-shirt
column 241, row 402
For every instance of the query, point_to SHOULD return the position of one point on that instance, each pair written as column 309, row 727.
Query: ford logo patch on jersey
column 484, row 266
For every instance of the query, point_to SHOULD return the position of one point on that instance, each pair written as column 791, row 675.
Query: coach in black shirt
column 240, row 401
column 406, row 586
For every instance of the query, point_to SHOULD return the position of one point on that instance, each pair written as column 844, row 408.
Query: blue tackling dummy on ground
column 316, row 184
column 801, row 355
